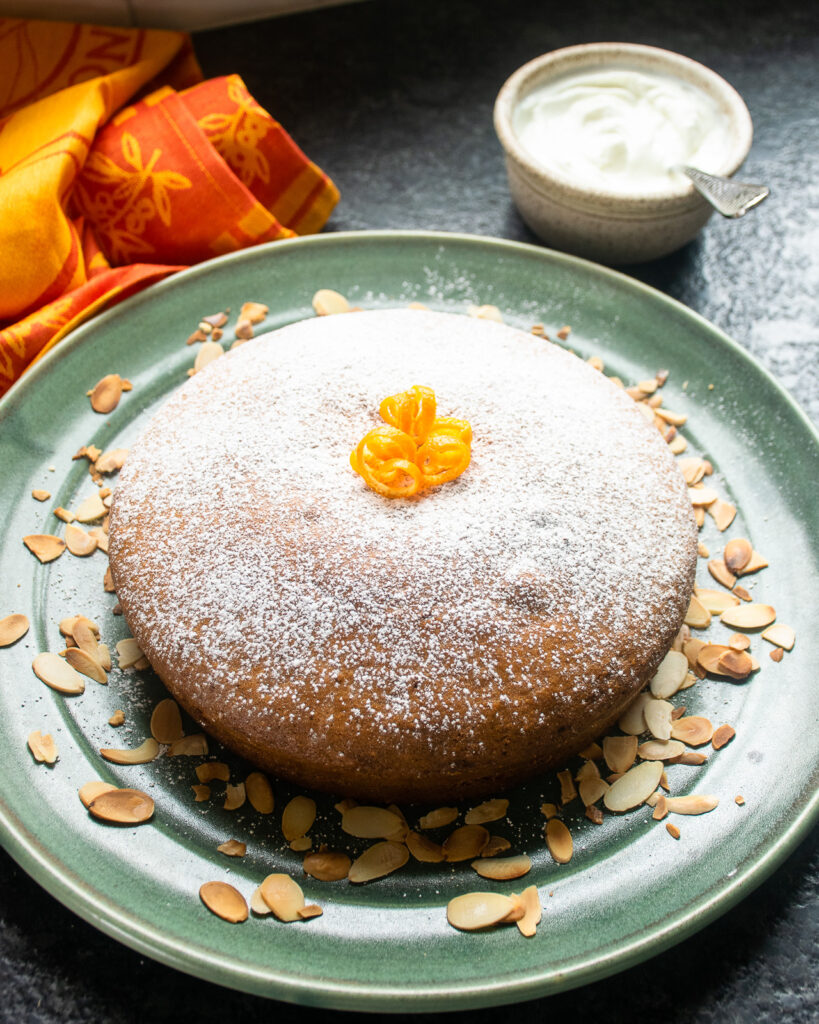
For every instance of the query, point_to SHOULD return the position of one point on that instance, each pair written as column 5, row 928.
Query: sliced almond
column 476, row 910
column 716, row 601
column 778, row 634
column 620, row 752
column 777, row 654
column 301, row 843
column 593, row 752
column 106, row 393
column 739, row 800
column 559, row 841
column 108, row 581
column 86, row 665
column 502, row 869
column 166, row 721
column 740, row 642
column 44, row 546
column 327, row 866
column 118, row 718
column 702, row 496
column 100, row 537
column 224, row 901
column 548, row 810
column 128, row 652
column 201, row 793
column 633, row 721
column 122, row 806
column 690, row 757
column 736, row 664
column 258, row 905
column 424, row 849
column 259, row 793
column 677, row 444
column 232, row 848
column 591, row 790
column 741, row 592
column 438, row 818
column 658, row 719
column 756, row 563
column 670, row 674
column 111, row 461
column 532, row 912
column 310, row 910
column 189, row 746
column 326, row 302
column 697, row 616
column 142, row 754
column 211, row 770
column 298, row 817
column 465, row 843
column 489, row 810
column 737, row 554
column 371, row 822
column 12, row 628
column 208, row 352
column 749, row 616
column 635, row 787
column 692, row 730
column 43, row 748
column 40, row 495
column 567, row 787
column 675, row 419
column 255, row 312
column 89, row 510
column 234, row 796
column 496, row 845
column 723, row 513
column 692, row 469
column 379, row 860
column 723, row 735
column 91, row 790
column 672, row 830
column 85, row 637
column 660, row 750
column 694, row 804
column 721, row 573
column 57, row 674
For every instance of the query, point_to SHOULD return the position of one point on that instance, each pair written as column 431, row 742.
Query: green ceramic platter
column 630, row 890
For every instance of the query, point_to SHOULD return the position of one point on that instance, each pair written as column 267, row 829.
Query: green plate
column 630, row 889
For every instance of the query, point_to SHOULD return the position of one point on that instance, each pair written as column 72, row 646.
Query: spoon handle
column 730, row 198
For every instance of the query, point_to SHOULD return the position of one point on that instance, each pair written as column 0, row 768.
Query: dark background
column 393, row 98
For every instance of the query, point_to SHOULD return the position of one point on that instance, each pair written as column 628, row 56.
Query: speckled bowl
column 608, row 226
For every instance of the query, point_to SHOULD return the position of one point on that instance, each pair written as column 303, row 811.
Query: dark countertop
column 394, row 99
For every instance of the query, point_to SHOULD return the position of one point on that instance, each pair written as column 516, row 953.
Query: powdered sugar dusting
column 255, row 565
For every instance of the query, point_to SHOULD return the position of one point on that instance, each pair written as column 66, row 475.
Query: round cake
column 408, row 649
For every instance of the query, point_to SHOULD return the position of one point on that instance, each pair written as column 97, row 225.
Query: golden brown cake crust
column 414, row 649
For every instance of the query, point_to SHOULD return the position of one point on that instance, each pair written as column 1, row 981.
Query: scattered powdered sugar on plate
column 260, row 574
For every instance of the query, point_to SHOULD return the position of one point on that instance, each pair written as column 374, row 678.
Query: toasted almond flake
column 648, row 387
column 166, row 721
column 100, row 537
column 489, row 810
column 258, row 905
column 564, row 332
column 12, row 628
column 559, row 841
column 658, row 718
column 676, row 419
column 298, row 817
column 91, row 790
column 79, row 542
column 211, row 770
column 677, row 444
column 724, row 734
column 660, row 750
column 105, row 394
column 672, row 830
column 702, row 550
column 737, row 554
column 438, row 818
column 567, row 787
column 646, row 411
column 532, row 912
column 742, row 593
column 699, row 517
column 588, row 770
column 259, row 793
column 145, row 752
column 57, row 674
column 740, row 642
column 189, row 746
column 496, row 845
column 234, row 796
column 104, row 656
column 632, row 721
column 697, row 616
column 118, row 718
column 694, row 730
column 370, row 822
column 122, row 806
column 86, row 665
column 232, row 848
column 635, row 787
column 301, row 843
column 40, row 495
column 207, row 353
column 778, row 634
column 310, row 910
column 593, row 752
column 749, row 616
column 108, row 581
column 739, row 800
column 327, row 302
column 594, row 814
column 327, row 865
column 591, row 790
column 716, row 601
column 423, row 849
column 660, row 808
column 43, row 748
column 112, row 460
column 756, row 563
column 670, row 673
column 620, row 752
column 128, row 652
column 689, row 757
column 485, row 313
column 595, row 362
column 224, row 901
column 201, row 793
column 724, row 661
column 693, row 804
column 243, row 332
column 777, row 655
column 702, row 496
column 476, row 910
column 379, row 860
column 44, row 546
column 465, row 842
column 86, row 637
column 255, row 312
column 502, row 869
column 89, row 510
column 692, row 469
column 723, row 513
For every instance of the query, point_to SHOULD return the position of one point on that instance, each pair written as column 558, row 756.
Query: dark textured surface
column 394, row 100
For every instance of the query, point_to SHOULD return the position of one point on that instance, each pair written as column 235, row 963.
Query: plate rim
column 46, row 868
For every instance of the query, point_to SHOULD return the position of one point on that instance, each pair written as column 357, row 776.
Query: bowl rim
column 563, row 60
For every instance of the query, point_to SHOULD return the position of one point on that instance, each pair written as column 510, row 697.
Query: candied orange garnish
column 416, row 451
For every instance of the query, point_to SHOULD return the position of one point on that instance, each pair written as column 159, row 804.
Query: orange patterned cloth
column 99, row 200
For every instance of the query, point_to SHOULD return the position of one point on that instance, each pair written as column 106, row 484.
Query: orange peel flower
column 416, row 450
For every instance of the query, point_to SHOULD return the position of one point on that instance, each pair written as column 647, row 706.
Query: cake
column 430, row 648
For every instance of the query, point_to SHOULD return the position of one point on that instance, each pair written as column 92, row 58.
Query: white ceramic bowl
column 608, row 226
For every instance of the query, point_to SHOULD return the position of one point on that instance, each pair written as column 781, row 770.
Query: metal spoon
column 730, row 198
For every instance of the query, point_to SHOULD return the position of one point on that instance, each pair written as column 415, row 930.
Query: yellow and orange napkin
column 99, row 199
